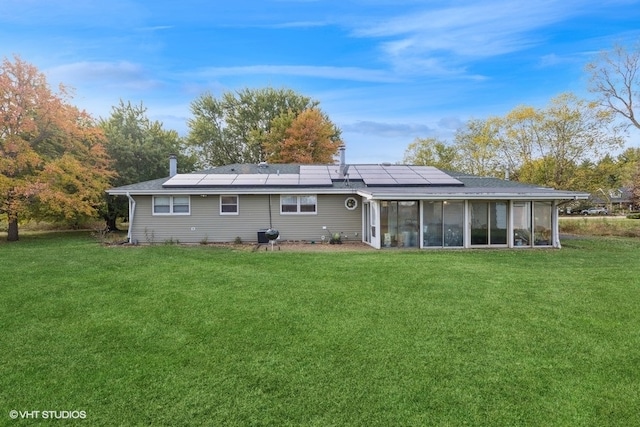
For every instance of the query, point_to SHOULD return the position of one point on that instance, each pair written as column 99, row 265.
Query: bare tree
column 615, row 77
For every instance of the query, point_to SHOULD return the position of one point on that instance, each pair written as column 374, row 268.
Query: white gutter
column 132, row 212
column 250, row 191
column 475, row 196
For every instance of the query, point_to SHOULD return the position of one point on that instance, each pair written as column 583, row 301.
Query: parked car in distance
column 594, row 211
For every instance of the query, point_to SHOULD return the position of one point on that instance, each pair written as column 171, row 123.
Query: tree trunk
column 12, row 232
column 114, row 210
column 110, row 224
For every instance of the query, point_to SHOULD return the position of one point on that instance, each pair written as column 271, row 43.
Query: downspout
column 132, row 212
column 556, row 221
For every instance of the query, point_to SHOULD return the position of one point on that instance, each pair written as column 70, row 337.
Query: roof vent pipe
column 173, row 165
column 342, row 159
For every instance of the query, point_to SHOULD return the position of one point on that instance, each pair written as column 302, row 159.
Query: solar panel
column 373, row 174
column 411, row 181
column 184, row 180
column 306, row 181
column 283, row 179
column 363, row 167
column 251, row 179
column 314, row 168
column 400, row 172
column 389, row 175
column 436, row 176
column 316, row 174
column 218, row 179
column 335, row 172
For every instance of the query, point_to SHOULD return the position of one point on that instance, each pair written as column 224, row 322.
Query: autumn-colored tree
column 478, row 148
column 306, row 138
column 518, row 135
column 544, row 146
column 52, row 161
column 432, row 152
column 235, row 127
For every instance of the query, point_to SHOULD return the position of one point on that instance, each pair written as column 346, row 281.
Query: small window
column 307, row 204
column 229, row 205
column 171, row 205
column 162, row 205
column 181, row 205
column 298, row 204
column 289, row 204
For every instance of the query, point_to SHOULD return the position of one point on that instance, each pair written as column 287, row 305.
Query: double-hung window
column 302, row 204
column 229, row 205
column 171, row 205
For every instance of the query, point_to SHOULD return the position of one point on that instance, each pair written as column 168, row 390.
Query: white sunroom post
column 420, row 224
column 555, row 223
column 363, row 221
column 375, row 221
column 510, row 225
column 466, row 232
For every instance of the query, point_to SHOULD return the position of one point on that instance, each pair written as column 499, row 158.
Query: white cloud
column 450, row 123
column 440, row 41
column 387, row 129
column 121, row 74
column 325, row 72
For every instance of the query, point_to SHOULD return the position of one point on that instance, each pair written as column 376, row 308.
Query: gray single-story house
column 383, row 205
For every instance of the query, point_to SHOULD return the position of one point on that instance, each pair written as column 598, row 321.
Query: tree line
column 56, row 161
column 567, row 144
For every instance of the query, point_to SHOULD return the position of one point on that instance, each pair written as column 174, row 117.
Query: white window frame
column 236, row 204
column 298, row 211
column 171, row 206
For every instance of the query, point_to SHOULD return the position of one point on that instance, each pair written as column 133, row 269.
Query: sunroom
column 455, row 223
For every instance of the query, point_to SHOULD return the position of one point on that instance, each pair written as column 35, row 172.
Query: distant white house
column 383, row 205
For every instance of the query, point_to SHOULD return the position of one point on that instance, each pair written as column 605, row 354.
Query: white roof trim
column 481, row 194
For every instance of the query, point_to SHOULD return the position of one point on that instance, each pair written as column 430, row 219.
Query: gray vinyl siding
column 206, row 224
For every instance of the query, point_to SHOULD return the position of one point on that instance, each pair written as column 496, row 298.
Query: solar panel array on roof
column 321, row 175
column 310, row 175
column 401, row 175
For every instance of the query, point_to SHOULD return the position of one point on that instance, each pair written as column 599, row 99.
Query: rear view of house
column 383, row 205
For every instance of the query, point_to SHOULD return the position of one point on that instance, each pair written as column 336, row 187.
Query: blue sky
column 385, row 71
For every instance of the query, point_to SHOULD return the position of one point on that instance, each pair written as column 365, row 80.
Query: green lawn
column 173, row 335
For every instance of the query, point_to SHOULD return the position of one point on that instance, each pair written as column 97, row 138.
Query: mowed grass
column 176, row 335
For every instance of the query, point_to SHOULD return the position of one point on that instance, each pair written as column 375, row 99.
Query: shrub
column 634, row 216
